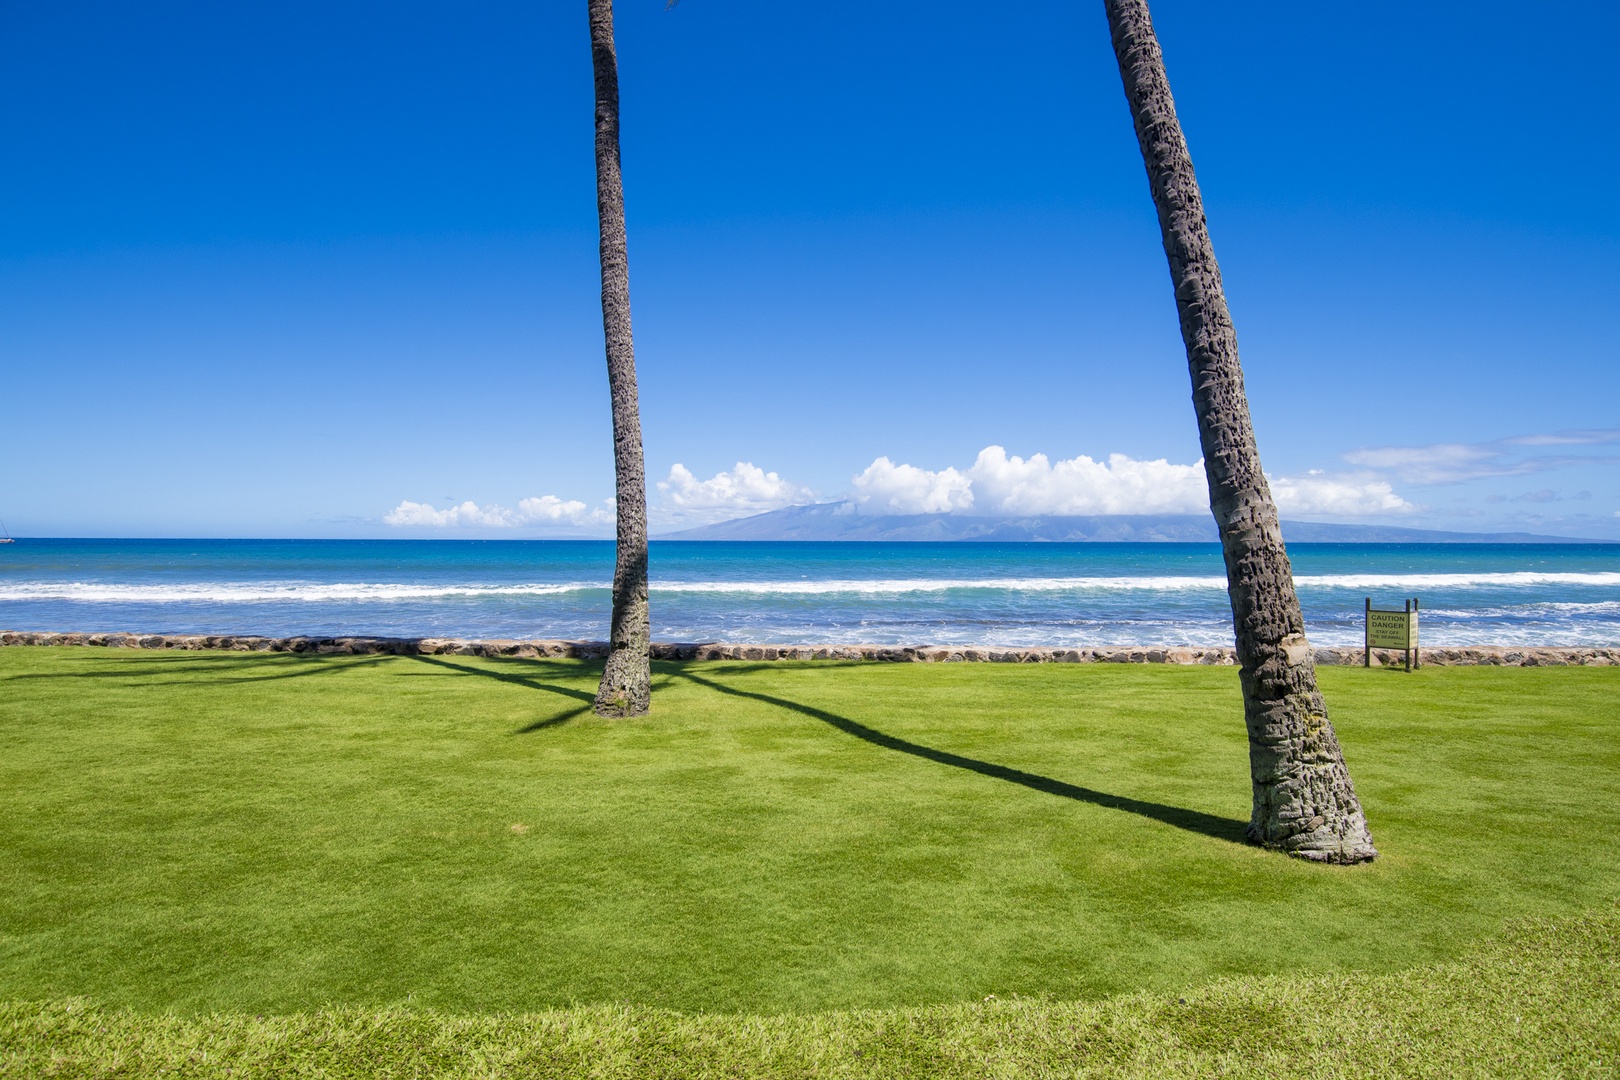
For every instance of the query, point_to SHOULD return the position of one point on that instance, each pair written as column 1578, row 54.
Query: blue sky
column 303, row 270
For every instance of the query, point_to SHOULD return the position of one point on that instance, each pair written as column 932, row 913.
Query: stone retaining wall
column 596, row 650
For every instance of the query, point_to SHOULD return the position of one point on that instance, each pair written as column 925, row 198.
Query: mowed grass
column 1541, row 1002
column 185, row 833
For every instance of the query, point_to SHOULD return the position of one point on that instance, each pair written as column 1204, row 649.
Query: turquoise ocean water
column 797, row 593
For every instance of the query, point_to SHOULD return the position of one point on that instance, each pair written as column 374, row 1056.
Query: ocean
column 1032, row 594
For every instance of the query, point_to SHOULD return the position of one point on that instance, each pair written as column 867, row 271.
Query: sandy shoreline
column 1479, row 655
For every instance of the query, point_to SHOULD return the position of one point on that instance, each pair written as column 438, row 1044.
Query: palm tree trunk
column 626, row 688
column 1304, row 802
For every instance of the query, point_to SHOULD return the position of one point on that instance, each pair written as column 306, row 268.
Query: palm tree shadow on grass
column 1196, row 821
column 186, row 668
column 530, row 681
column 1220, row 828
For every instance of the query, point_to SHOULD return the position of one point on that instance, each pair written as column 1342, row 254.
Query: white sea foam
column 1162, row 583
column 226, row 592
column 1540, row 610
column 933, row 585
column 383, row 592
column 1456, row 581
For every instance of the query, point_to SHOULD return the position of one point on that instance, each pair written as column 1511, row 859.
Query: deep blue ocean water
column 797, row 593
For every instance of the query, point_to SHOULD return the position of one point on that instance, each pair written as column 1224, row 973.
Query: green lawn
column 267, row 833
column 1542, row 1002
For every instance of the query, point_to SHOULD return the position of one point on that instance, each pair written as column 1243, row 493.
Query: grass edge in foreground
column 210, row 833
column 1539, row 1000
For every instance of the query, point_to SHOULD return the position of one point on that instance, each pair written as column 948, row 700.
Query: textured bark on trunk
column 1304, row 802
column 626, row 688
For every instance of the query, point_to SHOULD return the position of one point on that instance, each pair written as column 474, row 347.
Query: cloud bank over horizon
column 999, row 484
column 544, row 510
column 741, row 491
column 681, row 499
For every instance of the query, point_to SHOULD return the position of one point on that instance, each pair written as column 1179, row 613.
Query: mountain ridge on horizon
column 838, row 521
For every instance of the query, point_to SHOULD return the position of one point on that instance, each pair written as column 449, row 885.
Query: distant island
column 839, row 521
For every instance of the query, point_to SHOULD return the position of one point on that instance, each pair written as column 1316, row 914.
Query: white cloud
column 423, row 515
column 1437, row 464
column 1582, row 437
column 545, row 510
column 1080, row 485
column 551, row 510
column 1000, row 484
column 740, row 491
column 1348, row 496
column 887, row 488
column 1455, row 463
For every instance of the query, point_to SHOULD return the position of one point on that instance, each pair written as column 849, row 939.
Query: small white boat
column 6, row 537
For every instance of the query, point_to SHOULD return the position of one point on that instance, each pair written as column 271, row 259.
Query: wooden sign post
column 1390, row 629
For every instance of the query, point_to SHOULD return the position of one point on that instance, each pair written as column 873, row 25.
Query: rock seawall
column 1494, row 656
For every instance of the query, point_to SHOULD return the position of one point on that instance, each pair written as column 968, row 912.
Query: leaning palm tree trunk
column 1303, row 799
column 626, row 687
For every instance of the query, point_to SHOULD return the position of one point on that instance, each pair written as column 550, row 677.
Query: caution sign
column 1392, row 629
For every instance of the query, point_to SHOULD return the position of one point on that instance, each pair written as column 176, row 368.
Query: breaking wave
column 207, row 592
column 1507, row 579
column 384, row 593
